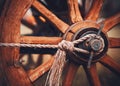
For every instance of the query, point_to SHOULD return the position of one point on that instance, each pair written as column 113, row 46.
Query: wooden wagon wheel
column 11, row 16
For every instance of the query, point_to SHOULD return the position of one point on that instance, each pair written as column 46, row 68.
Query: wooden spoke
column 51, row 17
column 30, row 19
column 39, row 71
column 92, row 75
column 72, row 69
column 108, row 62
column 40, row 40
column 93, row 14
column 110, row 22
column 114, row 42
column 87, row 5
column 74, row 11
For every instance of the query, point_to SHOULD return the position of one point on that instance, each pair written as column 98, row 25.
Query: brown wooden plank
column 108, row 62
column 74, row 11
column 111, row 22
column 9, row 33
column 92, row 75
column 40, row 70
column 94, row 12
column 71, row 71
column 62, row 26
column 114, row 42
column 39, row 40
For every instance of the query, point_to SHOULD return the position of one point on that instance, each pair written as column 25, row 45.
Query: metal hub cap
column 98, row 45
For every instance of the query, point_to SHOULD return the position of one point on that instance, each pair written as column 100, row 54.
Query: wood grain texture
column 12, row 13
column 74, row 11
column 62, row 26
column 114, row 42
column 108, row 62
column 40, row 70
column 92, row 75
column 83, row 24
column 72, row 69
column 94, row 12
column 111, row 22
column 39, row 40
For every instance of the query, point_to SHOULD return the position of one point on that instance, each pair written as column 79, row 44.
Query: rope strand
column 54, row 75
column 53, row 46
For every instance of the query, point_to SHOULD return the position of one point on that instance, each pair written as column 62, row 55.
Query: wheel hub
column 98, row 45
column 94, row 44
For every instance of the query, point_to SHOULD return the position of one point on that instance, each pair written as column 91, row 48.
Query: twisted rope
column 53, row 78
column 53, row 46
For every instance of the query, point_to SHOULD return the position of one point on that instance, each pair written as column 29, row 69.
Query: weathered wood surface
column 114, row 42
column 94, row 12
column 62, row 26
column 112, row 65
column 40, row 70
column 40, row 40
column 74, row 11
column 92, row 75
column 10, row 17
column 71, row 72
